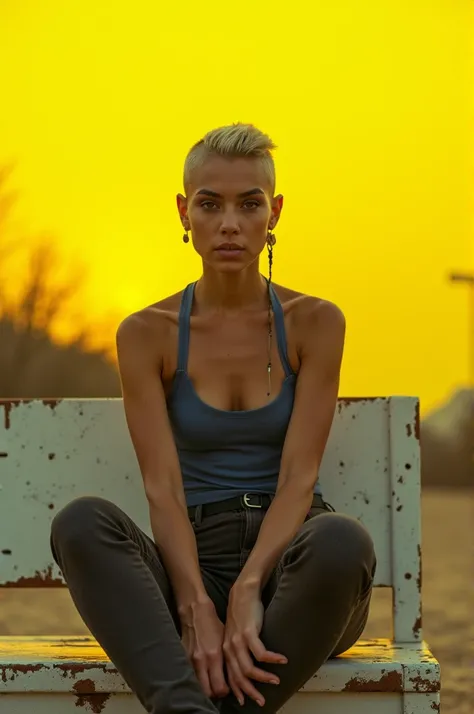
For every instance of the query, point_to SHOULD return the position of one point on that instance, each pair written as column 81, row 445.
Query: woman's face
column 229, row 209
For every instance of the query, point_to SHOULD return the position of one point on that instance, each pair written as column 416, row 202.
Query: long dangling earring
column 186, row 238
column 271, row 240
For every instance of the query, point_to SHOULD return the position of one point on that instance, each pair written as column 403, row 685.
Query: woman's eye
column 249, row 204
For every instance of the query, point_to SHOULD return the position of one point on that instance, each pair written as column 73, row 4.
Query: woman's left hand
column 241, row 640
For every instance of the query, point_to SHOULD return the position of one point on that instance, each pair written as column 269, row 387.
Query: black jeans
column 316, row 601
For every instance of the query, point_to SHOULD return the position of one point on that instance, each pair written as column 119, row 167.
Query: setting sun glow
column 368, row 102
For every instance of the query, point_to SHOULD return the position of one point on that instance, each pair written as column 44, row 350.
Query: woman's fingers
column 261, row 653
column 210, row 673
column 250, row 671
column 242, row 670
column 202, row 674
column 241, row 684
column 239, row 695
column 215, row 668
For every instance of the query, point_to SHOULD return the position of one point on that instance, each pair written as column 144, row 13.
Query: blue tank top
column 228, row 453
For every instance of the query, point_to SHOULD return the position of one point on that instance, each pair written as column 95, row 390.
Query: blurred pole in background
column 468, row 279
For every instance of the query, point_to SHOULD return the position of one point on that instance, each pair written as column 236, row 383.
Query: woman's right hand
column 202, row 638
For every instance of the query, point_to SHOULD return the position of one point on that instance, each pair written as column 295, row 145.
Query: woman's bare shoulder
column 300, row 306
column 309, row 319
column 153, row 323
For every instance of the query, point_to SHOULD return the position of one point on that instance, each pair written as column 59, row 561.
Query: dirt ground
column 448, row 595
column 448, row 599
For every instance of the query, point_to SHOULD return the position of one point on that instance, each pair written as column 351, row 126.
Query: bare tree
column 7, row 245
column 40, row 302
column 43, row 298
column 31, row 363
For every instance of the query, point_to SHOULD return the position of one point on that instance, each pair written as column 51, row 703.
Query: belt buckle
column 246, row 497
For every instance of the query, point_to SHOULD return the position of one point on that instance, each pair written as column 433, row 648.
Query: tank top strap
column 280, row 331
column 184, row 326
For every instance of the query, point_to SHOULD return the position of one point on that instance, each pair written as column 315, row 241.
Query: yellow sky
column 369, row 103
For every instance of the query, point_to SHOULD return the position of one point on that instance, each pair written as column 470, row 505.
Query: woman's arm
column 140, row 363
column 147, row 418
column 322, row 330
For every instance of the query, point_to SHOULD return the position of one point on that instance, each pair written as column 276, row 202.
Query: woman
column 229, row 387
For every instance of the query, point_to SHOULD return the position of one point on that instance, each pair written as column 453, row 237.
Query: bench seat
column 78, row 666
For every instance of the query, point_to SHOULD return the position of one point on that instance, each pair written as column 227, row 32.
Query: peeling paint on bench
column 387, row 682
column 38, row 580
column 9, row 404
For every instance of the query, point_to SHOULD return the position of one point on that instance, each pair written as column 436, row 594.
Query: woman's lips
column 230, row 252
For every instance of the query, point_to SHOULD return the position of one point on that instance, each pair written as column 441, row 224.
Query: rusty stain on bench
column 86, row 693
column 41, row 579
column 8, row 404
column 388, row 682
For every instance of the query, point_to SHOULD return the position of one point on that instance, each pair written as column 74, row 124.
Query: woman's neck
column 231, row 292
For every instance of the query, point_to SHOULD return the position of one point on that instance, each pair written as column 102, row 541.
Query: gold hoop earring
column 186, row 238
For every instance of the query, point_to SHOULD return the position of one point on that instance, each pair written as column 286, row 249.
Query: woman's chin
column 227, row 266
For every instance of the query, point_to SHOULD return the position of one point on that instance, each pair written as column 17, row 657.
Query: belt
column 247, row 500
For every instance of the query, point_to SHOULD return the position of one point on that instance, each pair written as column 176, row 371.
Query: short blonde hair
column 233, row 141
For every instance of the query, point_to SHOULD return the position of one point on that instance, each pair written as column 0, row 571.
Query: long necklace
column 270, row 243
column 270, row 335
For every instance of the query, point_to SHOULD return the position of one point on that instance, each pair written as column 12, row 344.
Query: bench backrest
column 53, row 451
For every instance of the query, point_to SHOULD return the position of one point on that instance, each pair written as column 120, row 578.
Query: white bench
column 52, row 452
